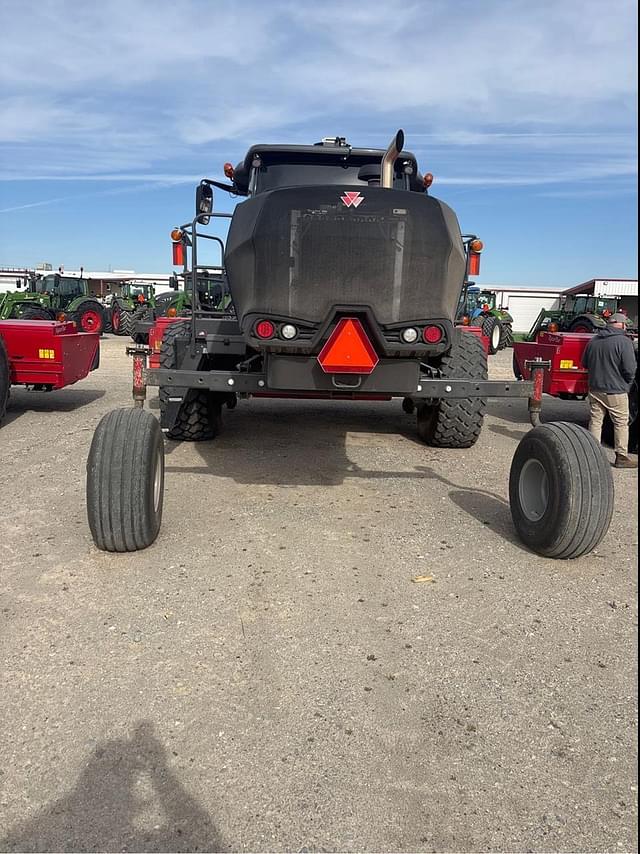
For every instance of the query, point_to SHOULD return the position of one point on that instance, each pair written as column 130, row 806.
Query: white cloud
column 172, row 86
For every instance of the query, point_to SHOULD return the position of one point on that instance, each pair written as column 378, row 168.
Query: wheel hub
column 533, row 490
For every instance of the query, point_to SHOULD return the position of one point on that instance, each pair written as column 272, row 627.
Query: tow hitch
column 537, row 367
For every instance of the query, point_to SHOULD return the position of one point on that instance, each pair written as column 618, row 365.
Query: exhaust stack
column 386, row 167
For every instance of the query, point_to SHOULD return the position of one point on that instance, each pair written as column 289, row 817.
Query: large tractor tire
column 125, row 481
column 583, row 324
column 121, row 321
column 36, row 312
column 5, row 379
column 492, row 329
column 507, row 336
column 560, row 491
column 456, row 423
column 200, row 416
column 139, row 337
column 90, row 316
column 516, row 369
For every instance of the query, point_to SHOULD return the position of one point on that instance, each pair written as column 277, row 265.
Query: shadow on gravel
column 516, row 435
column 126, row 799
column 553, row 409
column 307, row 447
column 301, row 446
column 63, row 400
column 486, row 507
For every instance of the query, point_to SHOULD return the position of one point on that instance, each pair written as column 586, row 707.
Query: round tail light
column 288, row 331
column 265, row 329
column 409, row 335
column 432, row 334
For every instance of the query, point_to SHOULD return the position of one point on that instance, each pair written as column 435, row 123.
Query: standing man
column 610, row 361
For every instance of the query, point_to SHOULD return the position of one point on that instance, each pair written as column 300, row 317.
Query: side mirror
column 173, row 283
column 18, row 284
column 204, row 202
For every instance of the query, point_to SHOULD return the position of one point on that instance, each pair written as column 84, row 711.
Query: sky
column 525, row 112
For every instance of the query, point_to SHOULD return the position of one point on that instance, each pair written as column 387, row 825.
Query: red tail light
column 178, row 254
column 432, row 334
column 265, row 329
column 474, row 264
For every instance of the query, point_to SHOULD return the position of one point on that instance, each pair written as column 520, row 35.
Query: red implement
column 156, row 334
column 564, row 350
column 47, row 353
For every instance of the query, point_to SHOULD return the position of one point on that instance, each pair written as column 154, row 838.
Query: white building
column 525, row 304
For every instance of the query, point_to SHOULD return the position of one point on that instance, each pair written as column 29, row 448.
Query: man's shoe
column 624, row 462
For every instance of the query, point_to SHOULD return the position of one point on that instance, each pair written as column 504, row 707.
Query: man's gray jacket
column 610, row 360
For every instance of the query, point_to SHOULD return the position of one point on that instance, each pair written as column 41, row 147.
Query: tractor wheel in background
column 36, row 312
column 125, row 480
column 200, row 415
column 582, row 324
column 516, row 369
column 90, row 317
column 507, row 336
column 456, row 423
column 5, row 379
column 492, row 329
column 560, row 490
column 139, row 337
column 121, row 321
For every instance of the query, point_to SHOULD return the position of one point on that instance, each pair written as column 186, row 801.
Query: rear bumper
column 391, row 378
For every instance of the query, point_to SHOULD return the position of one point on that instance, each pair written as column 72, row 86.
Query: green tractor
column 213, row 295
column 130, row 305
column 55, row 297
column 577, row 313
column 478, row 308
column 14, row 303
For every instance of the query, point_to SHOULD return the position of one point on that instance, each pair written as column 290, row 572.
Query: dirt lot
column 268, row 677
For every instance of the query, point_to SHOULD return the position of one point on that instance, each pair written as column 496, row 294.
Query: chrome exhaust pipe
column 389, row 159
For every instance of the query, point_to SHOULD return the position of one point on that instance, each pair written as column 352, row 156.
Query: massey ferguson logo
column 352, row 199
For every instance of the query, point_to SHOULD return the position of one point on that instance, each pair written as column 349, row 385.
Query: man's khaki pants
column 617, row 405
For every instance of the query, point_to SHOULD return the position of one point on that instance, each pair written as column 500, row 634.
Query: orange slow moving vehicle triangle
column 348, row 350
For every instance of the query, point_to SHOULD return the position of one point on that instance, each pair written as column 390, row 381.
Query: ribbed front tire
column 560, row 491
column 125, row 481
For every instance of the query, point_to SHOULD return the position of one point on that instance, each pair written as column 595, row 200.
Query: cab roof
column 325, row 149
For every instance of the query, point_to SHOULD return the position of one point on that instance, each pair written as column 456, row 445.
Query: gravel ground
column 267, row 676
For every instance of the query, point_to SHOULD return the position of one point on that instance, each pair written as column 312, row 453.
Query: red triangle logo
column 352, row 198
column 348, row 350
